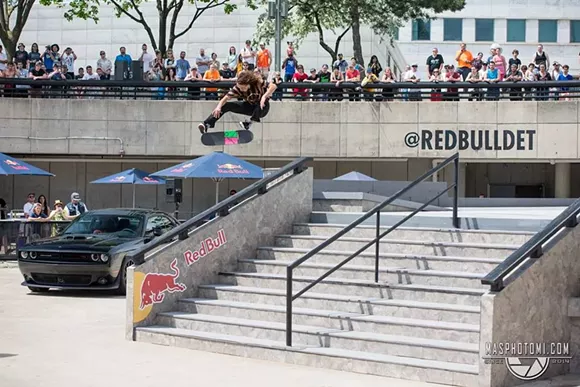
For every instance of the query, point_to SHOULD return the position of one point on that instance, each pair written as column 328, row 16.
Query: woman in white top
column 170, row 60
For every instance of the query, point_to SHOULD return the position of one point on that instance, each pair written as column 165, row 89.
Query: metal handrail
column 222, row 209
column 532, row 248
column 290, row 297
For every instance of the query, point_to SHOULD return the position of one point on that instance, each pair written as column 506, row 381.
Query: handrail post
column 455, row 191
column 289, row 306
column 377, row 246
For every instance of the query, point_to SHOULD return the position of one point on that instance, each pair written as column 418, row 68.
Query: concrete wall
column 270, row 214
column 533, row 308
column 351, row 130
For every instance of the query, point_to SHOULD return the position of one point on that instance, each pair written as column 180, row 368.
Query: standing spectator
column 529, row 75
column 388, row 77
column 214, row 60
column 556, row 71
column 475, row 76
column 226, row 72
column 21, row 56
column 3, row 59
column 375, row 66
column 123, row 56
column 45, row 208
column 370, row 77
column 10, row 72
column 435, row 77
column 202, row 62
column 158, row 62
column 478, row 62
column 33, row 56
column 565, row 76
column 193, row 76
column 313, row 78
column 38, row 73
column 289, row 66
column 182, row 66
column 337, row 78
column 170, row 60
column 515, row 60
column 75, row 208
column 300, row 76
column 170, row 76
column 105, row 65
column 453, row 76
column 413, row 76
column 500, row 62
column 353, row 75
column 68, row 59
column 264, row 60
column 249, row 55
column 541, row 57
column 21, row 72
column 435, row 62
column 464, row 57
column 514, row 75
column 290, row 48
column 29, row 205
column 233, row 59
column 324, row 77
column 212, row 75
column 341, row 63
column 51, row 57
column 492, row 76
column 356, row 65
column 542, row 75
column 277, row 80
column 57, row 215
column 146, row 58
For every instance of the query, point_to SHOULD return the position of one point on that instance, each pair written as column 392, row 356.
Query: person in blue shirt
column 492, row 76
column 289, row 66
column 50, row 57
column 182, row 67
column 123, row 56
column 565, row 76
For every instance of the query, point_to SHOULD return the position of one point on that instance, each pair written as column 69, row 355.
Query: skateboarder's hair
column 248, row 78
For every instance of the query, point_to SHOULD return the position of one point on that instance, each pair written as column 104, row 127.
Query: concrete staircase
column 420, row 322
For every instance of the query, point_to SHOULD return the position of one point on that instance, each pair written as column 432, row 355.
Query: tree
column 167, row 10
column 10, row 35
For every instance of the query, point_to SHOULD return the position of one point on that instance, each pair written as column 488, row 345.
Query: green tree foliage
column 168, row 13
column 13, row 17
column 384, row 17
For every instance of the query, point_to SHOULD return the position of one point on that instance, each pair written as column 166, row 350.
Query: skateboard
column 229, row 137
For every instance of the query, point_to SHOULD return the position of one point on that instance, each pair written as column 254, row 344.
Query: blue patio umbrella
column 11, row 166
column 354, row 176
column 132, row 176
column 216, row 166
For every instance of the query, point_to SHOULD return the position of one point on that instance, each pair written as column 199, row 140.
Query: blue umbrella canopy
column 11, row 166
column 130, row 176
column 355, row 176
column 216, row 165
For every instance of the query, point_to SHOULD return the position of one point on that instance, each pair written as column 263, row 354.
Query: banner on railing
column 475, row 139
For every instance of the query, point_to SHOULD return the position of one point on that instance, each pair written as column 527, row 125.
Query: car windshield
column 126, row 226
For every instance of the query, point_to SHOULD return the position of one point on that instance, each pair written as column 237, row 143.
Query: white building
column 517, row 24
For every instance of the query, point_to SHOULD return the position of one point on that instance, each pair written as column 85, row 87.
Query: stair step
column 422, row 233
column 443, row 330
column 445, row 294
column 399, row 246
column 332, row 358
column 417, row 261
column 407, row 346
column 399, row 275
column 346, row 303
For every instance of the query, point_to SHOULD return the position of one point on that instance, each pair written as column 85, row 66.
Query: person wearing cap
column 341, row 63
column 68, row 59
column 413, row 76
column 264, row 60
column 370, row 77
column 57, row 215
column 75, row 208
column 21, row 56
column 312, row 78
column 105, row 65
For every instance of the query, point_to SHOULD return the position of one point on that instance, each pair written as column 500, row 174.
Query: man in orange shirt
column 464, row 58
column 211, row 75
column 264, row 59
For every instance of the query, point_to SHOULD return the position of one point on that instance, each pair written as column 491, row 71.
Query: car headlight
column 24, row 254
column 104, row 257
column 32, row 254
column 95, row 257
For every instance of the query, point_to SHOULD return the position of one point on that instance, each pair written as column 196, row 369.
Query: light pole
column 278, row 10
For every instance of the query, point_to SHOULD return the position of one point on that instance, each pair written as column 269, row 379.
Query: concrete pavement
column 77, row 339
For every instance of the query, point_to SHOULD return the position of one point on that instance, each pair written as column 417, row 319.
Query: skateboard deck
column 229, row 137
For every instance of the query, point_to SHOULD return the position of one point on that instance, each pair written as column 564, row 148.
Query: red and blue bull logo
column 148, row 179
column 155, row 285
column 182, row 168
column 232, row 168
column 15, row 165
column 118, row 178
column 207, row 246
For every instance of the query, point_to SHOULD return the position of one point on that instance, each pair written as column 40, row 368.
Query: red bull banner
column 207, row 246
column 15, row 165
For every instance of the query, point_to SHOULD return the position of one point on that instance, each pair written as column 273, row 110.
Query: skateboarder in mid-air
column 255, row 94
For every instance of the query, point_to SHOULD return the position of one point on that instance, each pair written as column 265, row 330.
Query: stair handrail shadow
column 533, row 248
column 290, row 297
column 219, row 209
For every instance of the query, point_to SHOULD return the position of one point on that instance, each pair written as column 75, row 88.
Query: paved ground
column 65, row 339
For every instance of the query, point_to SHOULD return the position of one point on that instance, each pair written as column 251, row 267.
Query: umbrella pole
column 133, row 195
column 217, row 191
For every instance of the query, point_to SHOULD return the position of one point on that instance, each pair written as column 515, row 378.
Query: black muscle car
column 90, row 252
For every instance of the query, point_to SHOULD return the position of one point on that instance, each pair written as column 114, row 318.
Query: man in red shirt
column 352, row 75
column 452, row 76
column 300, row 76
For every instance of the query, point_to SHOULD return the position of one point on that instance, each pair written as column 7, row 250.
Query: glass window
column 574, row 31
column 453, row 29
column 548, row 31
column 516, row 30
column 421, row 29
column 484, row 30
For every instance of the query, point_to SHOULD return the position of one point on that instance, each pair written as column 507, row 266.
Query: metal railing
column 290, row 297
column 220, row 209
column 321, row 91
column 15, row 233
column 533, row 249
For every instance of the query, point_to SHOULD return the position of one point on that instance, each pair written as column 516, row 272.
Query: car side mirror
column 157, row 231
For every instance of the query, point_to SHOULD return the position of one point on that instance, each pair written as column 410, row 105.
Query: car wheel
column 34, row 289
column 123, row 280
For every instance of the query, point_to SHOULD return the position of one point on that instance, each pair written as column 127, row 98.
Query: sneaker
column 245, row 124
column 202, row 128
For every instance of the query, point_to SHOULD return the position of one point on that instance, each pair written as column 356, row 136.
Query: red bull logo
column 182, row 168
column 207, row 246
column 118, row 178
column 155, row 285
column 15, row 165
column 148, row 179
column 231, row 168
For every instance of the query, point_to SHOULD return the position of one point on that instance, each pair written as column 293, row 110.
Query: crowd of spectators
column 373, row 82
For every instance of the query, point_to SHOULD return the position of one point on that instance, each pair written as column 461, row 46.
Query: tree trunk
column 356, row 43
column 162, row 41
column 9, row 44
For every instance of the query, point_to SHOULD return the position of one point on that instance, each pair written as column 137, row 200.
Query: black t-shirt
column 21, row 57
column 37, row 73
column 434, row 62
column 313, row 77
column 517, row 62
column 226, row 74
column 324, row 77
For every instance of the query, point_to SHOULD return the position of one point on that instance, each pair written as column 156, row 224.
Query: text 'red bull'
column 155, row 285
column 207, row 246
